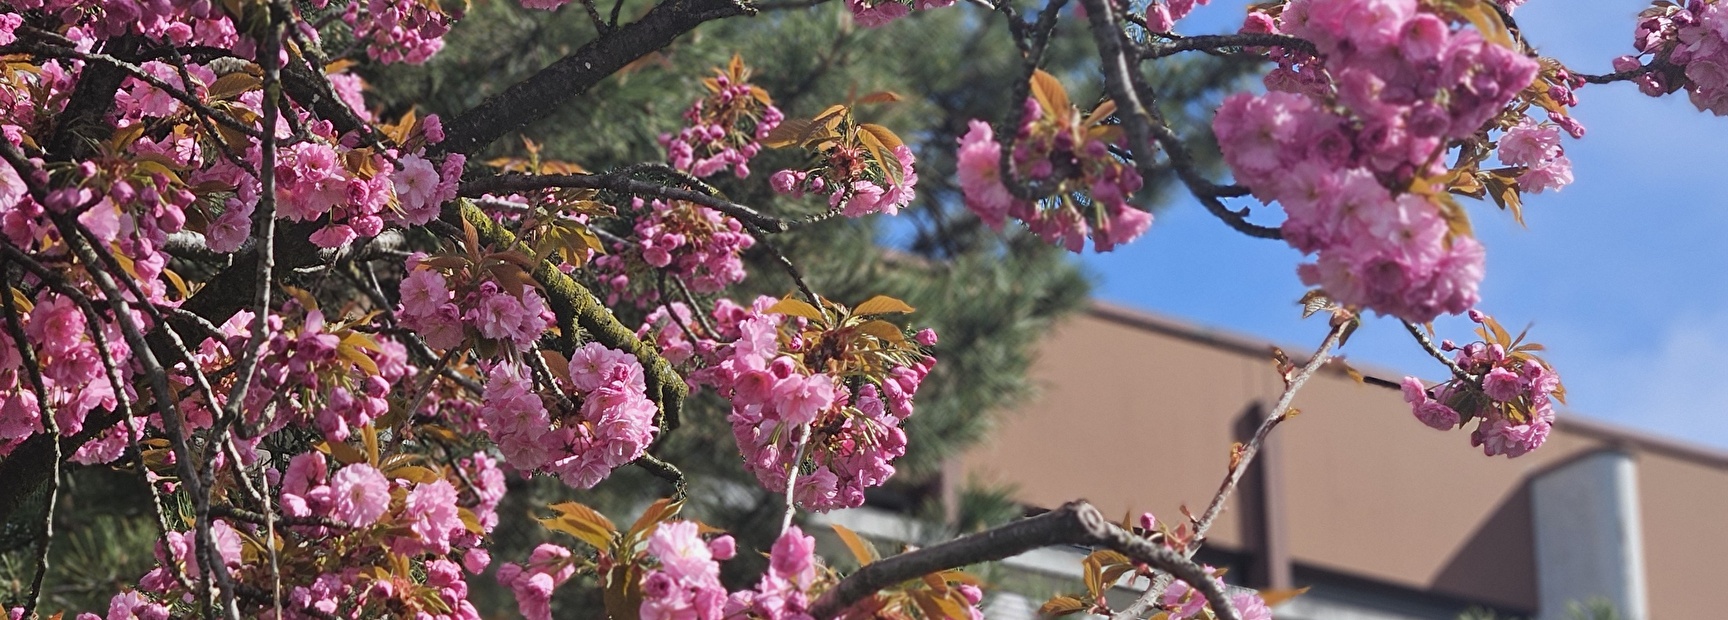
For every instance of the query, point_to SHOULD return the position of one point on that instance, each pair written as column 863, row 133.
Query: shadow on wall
column 1498, row 563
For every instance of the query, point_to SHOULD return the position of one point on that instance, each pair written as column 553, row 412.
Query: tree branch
column 621, row 183
column 540, row 95
column 1075, row 523
column 578, row 309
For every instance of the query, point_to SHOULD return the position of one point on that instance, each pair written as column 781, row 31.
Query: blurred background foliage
column 990, row 295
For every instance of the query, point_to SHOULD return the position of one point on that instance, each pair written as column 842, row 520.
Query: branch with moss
column 579, row 311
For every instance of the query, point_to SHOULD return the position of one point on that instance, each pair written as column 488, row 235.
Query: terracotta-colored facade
column 1137, row 413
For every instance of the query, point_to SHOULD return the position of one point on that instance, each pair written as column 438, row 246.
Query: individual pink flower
column 980, row 181
column 431, row 509
column 799, row 398
column 361, row 495
column 680, row 549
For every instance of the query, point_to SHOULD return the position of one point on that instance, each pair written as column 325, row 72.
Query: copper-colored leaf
column 791, row 306
column 884, row 330
column 881, row 96
column 1061, row 606
column 789, row 132
column 1103, row 111
column 342, row 452
column 415, row 474
column 861, row 549
column 882, row 155
column 1314, row 301
column 1488, row 22
column 582, row 522
column 661, row 510
column 556, row 362
column 882, row 134
column 1049, row 93
column 353, row 349
column 883, row 304
column 1275, row 597
column 369, row 438
column 234, row 85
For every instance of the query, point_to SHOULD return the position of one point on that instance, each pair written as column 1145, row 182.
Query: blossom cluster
column 447, row 316
column 1509, row 390
column 1536, row 148
column 395, row 31
column 1162, row 15
column 359, row 515
column 724, row 130
column 548, row 567
column 1067, row 159
column 1691, row 36
column 71, row 371
column 327, row 376
column 1185, row 602
column 180, row 22
column 874, row 13
column 858, row 181
column 613, row 424
column 784, row 374
column 702, row 247
column 358, row 188
column 1349, row 147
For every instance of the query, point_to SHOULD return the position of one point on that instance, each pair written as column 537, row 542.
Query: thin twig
column 665, row 471
column 1239, row 466
column 1428, row 345
column 792, row 476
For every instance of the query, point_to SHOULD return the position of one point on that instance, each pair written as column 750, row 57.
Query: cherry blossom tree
column 327, row 338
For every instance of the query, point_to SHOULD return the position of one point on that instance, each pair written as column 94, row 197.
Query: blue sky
column 1622, row 273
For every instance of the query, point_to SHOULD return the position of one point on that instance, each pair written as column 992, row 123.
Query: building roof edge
column 1615, row 434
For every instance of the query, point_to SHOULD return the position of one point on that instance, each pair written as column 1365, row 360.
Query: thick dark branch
column 183, row 95
column 1655, row 66
column 85, row 119
column 1075, row 523
column 1215, row 42
column 538, row 96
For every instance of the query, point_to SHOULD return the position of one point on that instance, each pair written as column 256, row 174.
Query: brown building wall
column 1685, row 513
column 1138, row 413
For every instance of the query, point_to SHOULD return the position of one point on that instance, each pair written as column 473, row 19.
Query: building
column 1382, row 517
